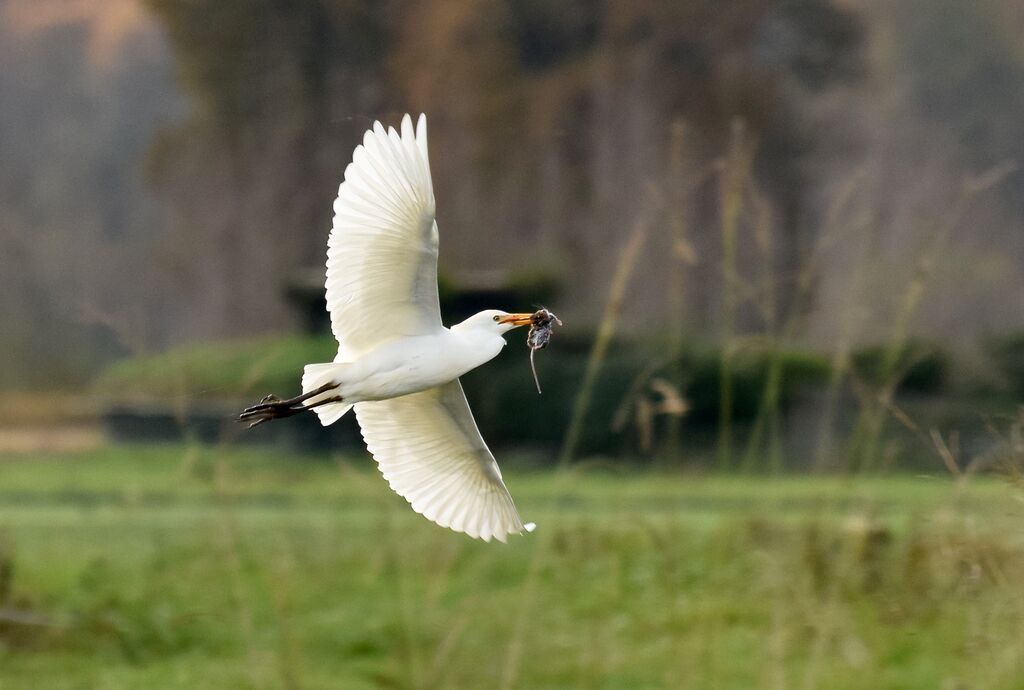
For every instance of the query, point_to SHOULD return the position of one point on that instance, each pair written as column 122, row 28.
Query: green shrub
column 918, row 366
column 230, row 369
column 505, row 402
column 1008, row 357
column 750, row 370
column 507, row 405
column 509, row 410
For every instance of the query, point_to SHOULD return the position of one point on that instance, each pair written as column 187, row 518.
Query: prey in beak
column 517, row 319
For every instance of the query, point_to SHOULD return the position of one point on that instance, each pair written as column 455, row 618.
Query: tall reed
column 682, row 255
column 732, row 181
column 864, row 447
column 765, row 434
column 605, row 331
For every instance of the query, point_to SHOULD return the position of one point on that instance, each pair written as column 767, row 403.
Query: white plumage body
column 407, row 365
column 397, row 365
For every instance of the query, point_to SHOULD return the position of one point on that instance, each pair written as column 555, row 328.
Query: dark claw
column 267, row 411
column 273, row 407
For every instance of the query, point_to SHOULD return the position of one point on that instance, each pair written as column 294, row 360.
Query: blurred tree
column 547, row 118
column 252, row 172
column 85, row 85
column 969, row 76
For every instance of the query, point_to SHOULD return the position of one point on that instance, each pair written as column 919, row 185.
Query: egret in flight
column 397, row 365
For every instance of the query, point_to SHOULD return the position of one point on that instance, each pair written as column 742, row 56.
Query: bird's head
column 495, row 321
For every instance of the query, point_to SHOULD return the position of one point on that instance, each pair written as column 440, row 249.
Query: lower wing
column 430, row 451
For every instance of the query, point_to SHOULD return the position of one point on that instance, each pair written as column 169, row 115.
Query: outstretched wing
column 382, row 252
column 429, row 449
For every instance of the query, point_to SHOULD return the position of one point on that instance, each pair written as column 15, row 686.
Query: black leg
column 273, row 407
column 325, row 401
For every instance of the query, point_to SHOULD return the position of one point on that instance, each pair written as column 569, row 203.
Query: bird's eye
column 496, row 317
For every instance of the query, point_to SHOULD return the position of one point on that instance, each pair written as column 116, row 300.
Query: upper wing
column 382, row 252
column 430, row 451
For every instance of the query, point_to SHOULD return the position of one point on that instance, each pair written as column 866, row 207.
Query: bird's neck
column 480, row 344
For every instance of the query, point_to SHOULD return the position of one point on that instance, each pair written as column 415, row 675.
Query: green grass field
column 193, row 567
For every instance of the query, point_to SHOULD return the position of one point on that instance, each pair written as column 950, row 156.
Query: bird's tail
column 316, row 375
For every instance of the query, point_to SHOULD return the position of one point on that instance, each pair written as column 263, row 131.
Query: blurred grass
column 197, row 567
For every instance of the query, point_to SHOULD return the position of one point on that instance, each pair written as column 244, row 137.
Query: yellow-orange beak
column 517, row 319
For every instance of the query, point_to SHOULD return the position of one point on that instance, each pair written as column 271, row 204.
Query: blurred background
column 781, row 432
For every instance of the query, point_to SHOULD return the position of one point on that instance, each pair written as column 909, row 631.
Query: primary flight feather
column 397, row 365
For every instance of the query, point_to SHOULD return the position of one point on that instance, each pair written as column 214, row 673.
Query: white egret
column 397, row 365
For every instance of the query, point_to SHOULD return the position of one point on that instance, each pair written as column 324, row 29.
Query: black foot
column 273, row 407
